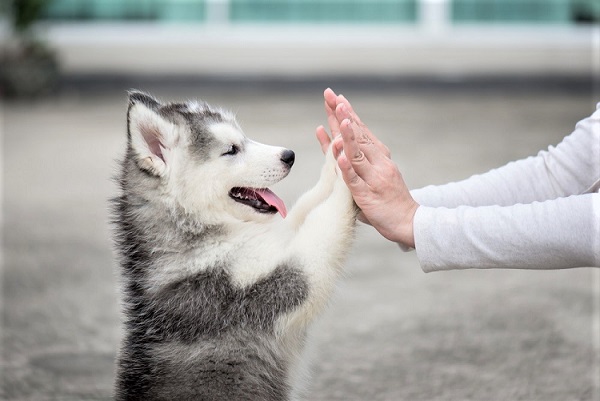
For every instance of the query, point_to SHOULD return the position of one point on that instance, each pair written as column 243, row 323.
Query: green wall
column 315, row 11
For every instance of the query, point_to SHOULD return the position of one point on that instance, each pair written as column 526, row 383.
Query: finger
column 353, row 152
column 351, row 178
column 332, row 121
column 323, row 138
column 338, row 146
column 355, row 184
column 364, row 135
column 354, row 117
column 330, row 98
column 341, row 99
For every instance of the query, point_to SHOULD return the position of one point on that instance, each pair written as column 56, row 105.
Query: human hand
column 331, row 102
column 373, row 178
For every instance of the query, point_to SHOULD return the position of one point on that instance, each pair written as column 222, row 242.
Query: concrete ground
column 392, row 332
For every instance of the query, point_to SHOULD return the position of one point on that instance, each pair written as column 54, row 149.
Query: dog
column 219, row 283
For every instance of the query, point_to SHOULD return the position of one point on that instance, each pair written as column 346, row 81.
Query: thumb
column 352, row 180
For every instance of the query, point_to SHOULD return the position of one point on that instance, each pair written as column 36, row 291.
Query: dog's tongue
column 273, row 200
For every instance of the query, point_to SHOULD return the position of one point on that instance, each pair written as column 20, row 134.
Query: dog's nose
column 288, row 157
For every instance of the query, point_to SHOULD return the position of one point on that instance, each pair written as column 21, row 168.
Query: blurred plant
column 29, row 66
column 586, row 11
column 25, row 13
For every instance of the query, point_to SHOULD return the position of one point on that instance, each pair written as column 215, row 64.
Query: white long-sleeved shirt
column 542, row 212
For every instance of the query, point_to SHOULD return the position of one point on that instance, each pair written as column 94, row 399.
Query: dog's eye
column 233, row 149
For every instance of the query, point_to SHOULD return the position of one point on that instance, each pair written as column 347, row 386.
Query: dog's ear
column 151, row 136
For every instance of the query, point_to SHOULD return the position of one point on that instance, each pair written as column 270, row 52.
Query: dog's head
column 198, row 157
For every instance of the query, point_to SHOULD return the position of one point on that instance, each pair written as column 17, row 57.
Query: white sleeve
column 570, row 168
column 537, row 213
column 555, row 234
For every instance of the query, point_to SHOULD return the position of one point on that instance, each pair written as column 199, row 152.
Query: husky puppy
column 218, row 289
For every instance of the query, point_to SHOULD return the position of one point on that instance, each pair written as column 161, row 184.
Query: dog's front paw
column 343, row 193
column 330, row 159
column 328, row 172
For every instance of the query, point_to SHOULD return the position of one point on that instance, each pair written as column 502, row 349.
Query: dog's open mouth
column 263, row 200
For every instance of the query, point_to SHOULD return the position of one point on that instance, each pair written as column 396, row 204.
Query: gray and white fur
column 217, row 289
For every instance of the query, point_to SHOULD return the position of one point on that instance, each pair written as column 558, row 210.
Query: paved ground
column 392, row 333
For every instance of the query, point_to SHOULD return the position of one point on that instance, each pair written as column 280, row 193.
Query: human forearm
column 570, row 168
column 560, row 233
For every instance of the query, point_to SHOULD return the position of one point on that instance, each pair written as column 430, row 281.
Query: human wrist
column 404, row 233
column 409, row 226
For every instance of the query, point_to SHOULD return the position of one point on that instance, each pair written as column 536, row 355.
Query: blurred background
column 453, row 87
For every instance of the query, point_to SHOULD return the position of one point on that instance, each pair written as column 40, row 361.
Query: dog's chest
column 209, row 304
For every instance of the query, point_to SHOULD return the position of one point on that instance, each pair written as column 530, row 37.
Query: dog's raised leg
column 316, row 195
column 324, row 220
column 324, row 237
